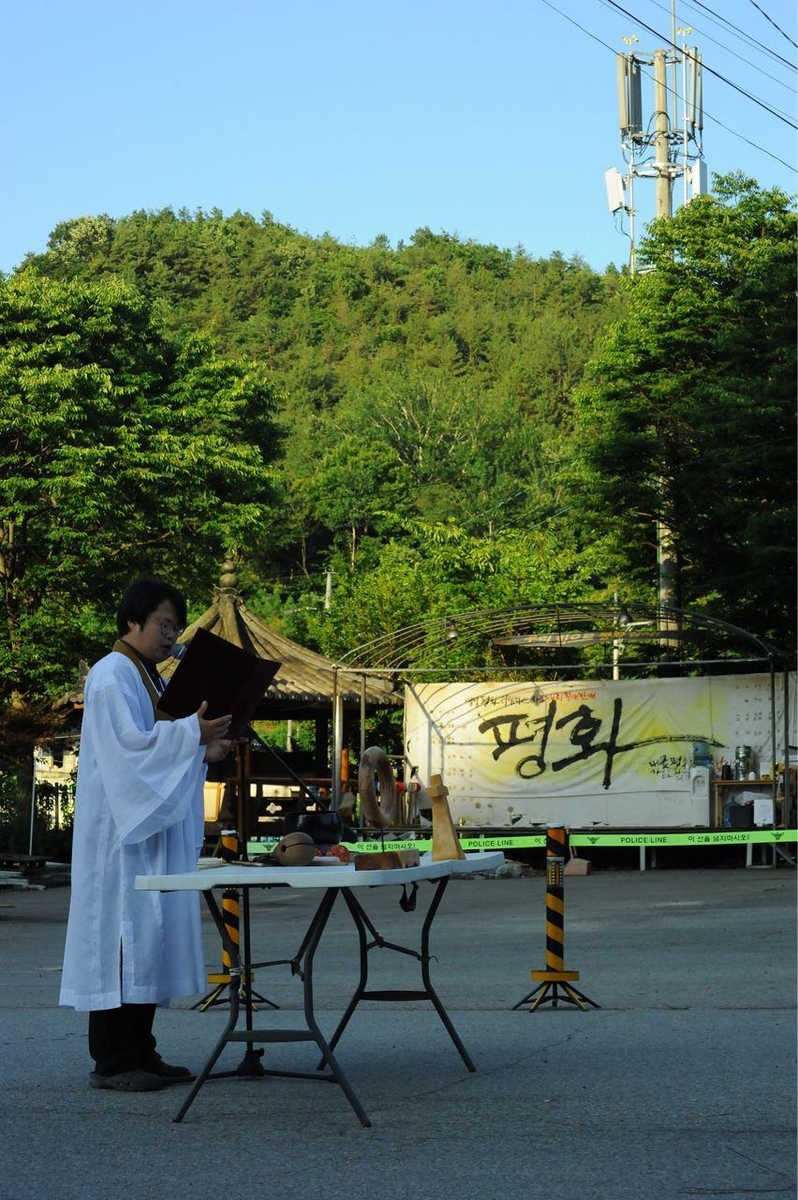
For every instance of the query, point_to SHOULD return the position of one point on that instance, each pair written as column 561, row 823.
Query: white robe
column 138, row 810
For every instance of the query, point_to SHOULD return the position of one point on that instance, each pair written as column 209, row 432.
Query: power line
column 749, row 95
column 606, row 45
column 728, row 49
column 773, row 23
column 740, row 33
column 733, row 132
column 748, row 142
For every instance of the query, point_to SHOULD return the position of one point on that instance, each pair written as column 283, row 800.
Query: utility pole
column 667, row 563
column 662, row 165
column 662, row 147
column 666, row 145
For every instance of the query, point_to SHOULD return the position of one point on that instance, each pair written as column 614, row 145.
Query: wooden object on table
column 383, row 812
column 386, row 860
column 445, row 842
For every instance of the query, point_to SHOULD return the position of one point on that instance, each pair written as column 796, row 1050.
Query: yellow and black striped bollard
column 229, row 852
column 555, row 983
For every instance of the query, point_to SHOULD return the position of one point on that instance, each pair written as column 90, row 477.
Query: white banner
column 590, row 750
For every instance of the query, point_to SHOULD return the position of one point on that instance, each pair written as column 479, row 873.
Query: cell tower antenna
column 667, row 145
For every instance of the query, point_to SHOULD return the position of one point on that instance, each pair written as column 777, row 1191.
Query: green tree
column 428, row 381
column 121, row 452
column 439, row 569
column 687, row 414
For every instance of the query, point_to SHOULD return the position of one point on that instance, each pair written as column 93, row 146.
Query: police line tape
column 598, row 841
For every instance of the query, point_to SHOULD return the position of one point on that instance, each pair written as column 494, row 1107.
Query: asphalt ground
column 682, row 1084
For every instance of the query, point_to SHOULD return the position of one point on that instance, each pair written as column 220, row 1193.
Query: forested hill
column 323, row 315
column 423, row 394
column 381, row 435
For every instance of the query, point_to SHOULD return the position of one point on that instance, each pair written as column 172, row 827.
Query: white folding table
column 330, row 880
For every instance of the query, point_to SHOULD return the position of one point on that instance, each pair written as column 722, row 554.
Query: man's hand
column 218, row 749
column 211, row 731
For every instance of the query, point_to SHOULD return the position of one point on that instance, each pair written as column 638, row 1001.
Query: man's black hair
column 141, row 600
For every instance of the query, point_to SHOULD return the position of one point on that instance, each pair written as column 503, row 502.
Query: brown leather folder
column 231, row 679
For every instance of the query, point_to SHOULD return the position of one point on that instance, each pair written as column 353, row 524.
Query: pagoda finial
column 228, row 580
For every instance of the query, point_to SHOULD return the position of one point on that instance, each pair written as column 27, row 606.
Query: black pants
column 120, row 1039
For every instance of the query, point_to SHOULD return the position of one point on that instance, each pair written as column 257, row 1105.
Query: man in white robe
column 138, row 810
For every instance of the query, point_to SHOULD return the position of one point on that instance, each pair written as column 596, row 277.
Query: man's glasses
column 167, row 628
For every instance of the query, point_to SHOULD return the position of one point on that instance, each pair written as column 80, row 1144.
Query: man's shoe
column 155, row 1065
column 127, row 1081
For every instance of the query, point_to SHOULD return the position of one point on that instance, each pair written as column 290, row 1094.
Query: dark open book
column 231, row 679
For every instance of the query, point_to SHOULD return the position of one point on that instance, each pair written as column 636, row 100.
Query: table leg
column 364, row 927
column 235, row 1004
column 302, row 965
column 310, row 943
column 425, row 961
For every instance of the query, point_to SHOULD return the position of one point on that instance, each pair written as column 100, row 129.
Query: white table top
column 317, row 875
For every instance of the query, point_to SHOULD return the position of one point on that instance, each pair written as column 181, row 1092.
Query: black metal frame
column 241, row 998
column 364, row 927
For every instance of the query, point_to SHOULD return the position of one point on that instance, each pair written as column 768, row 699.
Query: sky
column 494, row 121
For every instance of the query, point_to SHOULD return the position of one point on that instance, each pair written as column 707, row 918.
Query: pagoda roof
column 305, row 680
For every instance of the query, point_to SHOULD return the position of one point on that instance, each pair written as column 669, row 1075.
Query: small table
column 330, row 880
